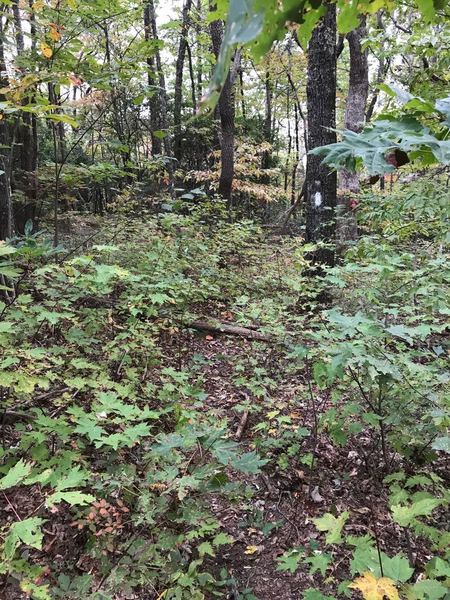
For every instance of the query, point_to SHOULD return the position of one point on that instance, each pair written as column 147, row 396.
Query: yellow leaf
column 46, row 50
column 38, row 5
column 72, row 4
column 251, row 550
column 375, row 589
column 54, row 33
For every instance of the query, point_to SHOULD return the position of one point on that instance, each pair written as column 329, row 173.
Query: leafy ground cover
column 142, row 458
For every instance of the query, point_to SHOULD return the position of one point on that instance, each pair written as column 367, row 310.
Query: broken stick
column 228, row 329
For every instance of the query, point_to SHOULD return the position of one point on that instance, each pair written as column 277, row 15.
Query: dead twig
column 229, row 329
column 242, row 426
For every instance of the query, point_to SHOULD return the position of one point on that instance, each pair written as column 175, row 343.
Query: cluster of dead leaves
column 104, row 518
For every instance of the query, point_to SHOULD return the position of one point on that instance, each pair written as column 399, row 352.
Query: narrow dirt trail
column 283, row 500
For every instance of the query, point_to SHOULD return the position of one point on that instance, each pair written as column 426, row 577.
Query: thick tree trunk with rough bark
column 227, row 114
column 358, row 90
column 321, row 182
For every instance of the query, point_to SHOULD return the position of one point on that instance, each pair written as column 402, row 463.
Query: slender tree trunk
column 25, row 147
column 152, row 75
column 274, row 127
column 163, row 110
column 358, row 90
column 118, row 116
column 6, row 205
column 227, row 114
column 320, row 190
column 199, row 61
column 18, row 27
column 34, row 132
column 289, row 137
column 268, row 115
column 297, row 155
column 157, row 83
column 178, row 99
column 383, row 67
column 192, row 76
column 241, row 91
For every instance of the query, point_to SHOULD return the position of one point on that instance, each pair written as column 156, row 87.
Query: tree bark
column 242, row 94
column 192, row 76
column 289, row 137
column 297, row 153
column 25, row 146
column 383, row 68
column 178, row 99
column 6, row 205
column 227, row 113
column 199, row 61
column 157, row 83
column 118, row 111
column 265, row 163
column 358, row 90
column 321, row 183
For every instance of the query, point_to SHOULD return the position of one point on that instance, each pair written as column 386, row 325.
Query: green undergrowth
column 108, row 449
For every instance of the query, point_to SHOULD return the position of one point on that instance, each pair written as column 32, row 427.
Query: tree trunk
column 227, row 114
column 289, row 137
column 383, row 68
column 178, row 99
column 320, row 189
column 297, row 154
column 199, row 61
column 156, row 82
column 242, row 93
column 6, row 206
column 25, row 146
column 118, row 110
column 358, row 90
column 265, row 163
column 192, row 76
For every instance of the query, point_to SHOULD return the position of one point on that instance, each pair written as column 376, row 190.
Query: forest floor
column 267, row 403
column 279, row 514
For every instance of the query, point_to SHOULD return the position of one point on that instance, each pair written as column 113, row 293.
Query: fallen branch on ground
column 242, row 426
column 12, row 417
column 228, row 329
